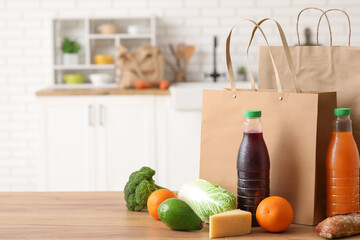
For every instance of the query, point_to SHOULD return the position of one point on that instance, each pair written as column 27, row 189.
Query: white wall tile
column 111, row 13
column 165, row 4
column 24, row 171
column 202, row 3
column 11, row 144
column 13, row 180
column 4, row 172
column 23, row 4
column 4, row 153
column 10, row 14
column 215, row 12
column 58, row 5
column 309, row 3
column 272, row 3
column 23, row 24
column 39, row 14
column 187, row 12
column 86, row 4
column 11, row 163
column 201, row 21
column 130, row 4
column 145, row 12
column 14, row 33
column 4, row 116
column 23, row 153
column 22, row 43
column 232, row 3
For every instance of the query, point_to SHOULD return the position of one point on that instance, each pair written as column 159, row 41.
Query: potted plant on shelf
column 70, row 51
column 241, row 73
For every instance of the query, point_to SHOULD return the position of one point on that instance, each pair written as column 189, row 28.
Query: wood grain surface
column 100, row 91
column 99, row 216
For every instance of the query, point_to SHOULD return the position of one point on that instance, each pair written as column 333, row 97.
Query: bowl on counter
column 100, row 79
column 108, row 28
column 74, row 78
column 103, row 59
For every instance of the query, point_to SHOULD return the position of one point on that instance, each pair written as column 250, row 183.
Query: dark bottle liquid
column 253, row 167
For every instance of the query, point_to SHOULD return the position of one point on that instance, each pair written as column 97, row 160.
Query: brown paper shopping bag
column 320, row 68
column 297, row 127
column 145, row 63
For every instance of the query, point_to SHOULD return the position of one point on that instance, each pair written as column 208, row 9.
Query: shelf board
column 84, row 67
column 120, row 35
column 83, row 86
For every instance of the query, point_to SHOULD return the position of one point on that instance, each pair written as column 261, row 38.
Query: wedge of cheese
column 231, row 223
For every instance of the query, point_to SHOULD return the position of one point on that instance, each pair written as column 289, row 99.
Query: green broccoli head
column 138, row 189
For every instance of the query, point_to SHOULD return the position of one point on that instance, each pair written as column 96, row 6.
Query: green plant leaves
column 69, row 46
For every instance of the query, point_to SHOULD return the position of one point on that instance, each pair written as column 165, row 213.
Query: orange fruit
column 156, row 198
column 164, row 84
column 274, row 214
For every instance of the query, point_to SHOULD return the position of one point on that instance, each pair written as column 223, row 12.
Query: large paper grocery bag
column 320, row 68
column 297, row 128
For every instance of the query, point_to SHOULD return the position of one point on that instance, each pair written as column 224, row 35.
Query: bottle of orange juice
column 342, row 167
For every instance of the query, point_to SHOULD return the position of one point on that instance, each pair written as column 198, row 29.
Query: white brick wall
column 25, row 53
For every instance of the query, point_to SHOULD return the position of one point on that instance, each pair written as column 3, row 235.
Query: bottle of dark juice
column 253, row 165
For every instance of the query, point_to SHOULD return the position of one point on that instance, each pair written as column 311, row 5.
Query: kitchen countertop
column 99, row 91
column 99, row 216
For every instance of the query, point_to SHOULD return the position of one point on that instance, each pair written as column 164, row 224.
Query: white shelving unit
column 120, row 36
column 92, row 42
column 84, row 67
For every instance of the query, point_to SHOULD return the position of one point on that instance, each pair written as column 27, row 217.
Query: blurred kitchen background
column 46, row 143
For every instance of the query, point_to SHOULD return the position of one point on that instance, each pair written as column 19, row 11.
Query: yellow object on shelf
column 232, row 223
column 103, row 59
column 74, row 78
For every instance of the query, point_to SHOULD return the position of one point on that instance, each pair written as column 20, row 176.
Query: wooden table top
column 99, row 216
column 99, row 91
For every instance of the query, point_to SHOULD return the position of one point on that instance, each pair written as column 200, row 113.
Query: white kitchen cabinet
column 178, row 144
column 125, row 138
column 68, row 154
column 96, row 142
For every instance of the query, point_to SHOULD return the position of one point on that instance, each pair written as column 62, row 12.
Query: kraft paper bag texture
column 297, row 128
column 320, row 68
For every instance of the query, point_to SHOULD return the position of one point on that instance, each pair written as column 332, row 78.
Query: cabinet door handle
column 90, row 115
column 101, row 115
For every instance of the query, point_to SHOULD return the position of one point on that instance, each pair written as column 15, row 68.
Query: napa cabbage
column 207, row 199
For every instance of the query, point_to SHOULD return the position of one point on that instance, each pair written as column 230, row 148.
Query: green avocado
column 178, row 215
